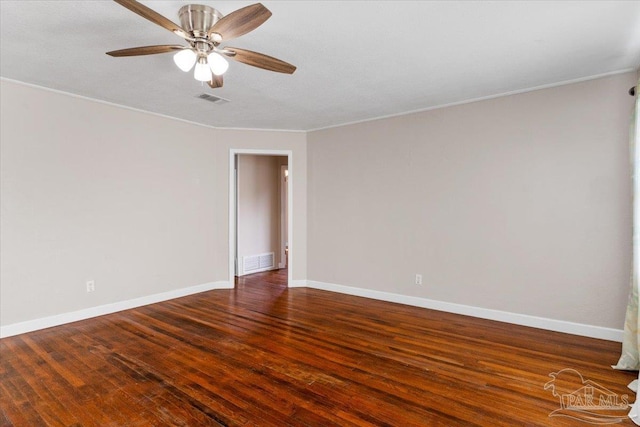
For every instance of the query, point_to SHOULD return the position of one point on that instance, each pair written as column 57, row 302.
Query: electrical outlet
column 91, row 286
column 418, row 279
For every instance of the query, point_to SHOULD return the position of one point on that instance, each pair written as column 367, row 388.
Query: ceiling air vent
column 211, row 98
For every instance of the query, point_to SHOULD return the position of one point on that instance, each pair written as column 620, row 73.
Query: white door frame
column 233, row 152
column 284, row 217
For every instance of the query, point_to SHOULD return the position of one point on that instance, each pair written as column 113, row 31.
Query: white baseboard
column 74, row 316
column 259, row 270
column 483, row 313
column 297, row 283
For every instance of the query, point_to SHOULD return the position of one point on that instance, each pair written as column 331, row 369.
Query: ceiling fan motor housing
column 198, row 18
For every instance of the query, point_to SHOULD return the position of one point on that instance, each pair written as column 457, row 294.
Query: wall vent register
column 261, row 262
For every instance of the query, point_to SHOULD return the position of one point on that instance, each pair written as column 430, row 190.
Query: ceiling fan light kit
column 204, row 28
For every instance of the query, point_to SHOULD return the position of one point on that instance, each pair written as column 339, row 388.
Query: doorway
column 246, row 256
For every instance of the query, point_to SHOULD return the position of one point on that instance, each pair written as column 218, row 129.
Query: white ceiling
column 356, row 60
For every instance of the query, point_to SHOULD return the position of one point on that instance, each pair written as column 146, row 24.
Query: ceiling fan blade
column 241, row 21
column 154, row 17
column 216, row 81
column 259, row 60
column 145, row 50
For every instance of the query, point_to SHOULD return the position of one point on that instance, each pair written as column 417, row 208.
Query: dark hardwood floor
column 265, row 355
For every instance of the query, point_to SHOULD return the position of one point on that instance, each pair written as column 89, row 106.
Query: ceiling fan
column 204, row 28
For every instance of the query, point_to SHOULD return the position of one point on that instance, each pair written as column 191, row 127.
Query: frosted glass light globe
column 217, row 63
column 202, row 72
column 185, row 59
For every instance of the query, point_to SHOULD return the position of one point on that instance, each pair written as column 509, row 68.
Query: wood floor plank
column 262, row 354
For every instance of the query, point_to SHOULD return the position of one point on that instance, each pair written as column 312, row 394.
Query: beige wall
column 259, row 206
column 520, row 203
column 134, row 201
